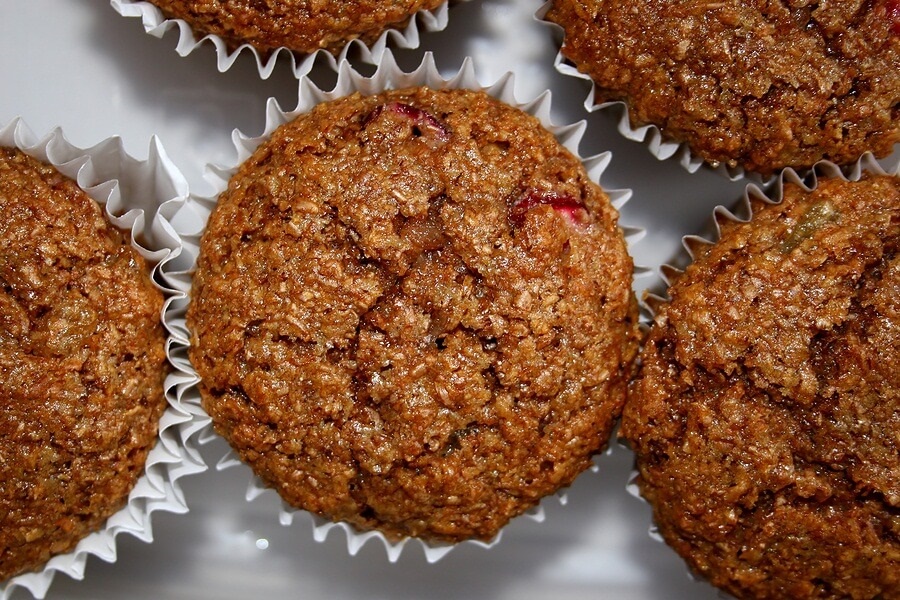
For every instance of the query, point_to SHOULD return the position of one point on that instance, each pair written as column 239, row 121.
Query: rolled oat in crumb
column 412, row 312
column 83, row 361
column 765, row 417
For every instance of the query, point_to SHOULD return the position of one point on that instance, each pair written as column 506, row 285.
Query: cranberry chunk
column 893, row 13
column 573, row 210
column 424, row 123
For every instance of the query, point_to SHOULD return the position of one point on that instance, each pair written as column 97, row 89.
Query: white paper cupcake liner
column 137, row 196
column 192, row 219
column 741, row 212
column 156, row 24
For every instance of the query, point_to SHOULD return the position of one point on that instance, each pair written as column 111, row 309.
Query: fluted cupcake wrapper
column 138, row 196
column 388, row 75
column 157, row 24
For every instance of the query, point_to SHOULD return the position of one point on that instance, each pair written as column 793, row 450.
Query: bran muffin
column 303, row 26
column 757, row 85
column 82, row 352
column 765, row 417
column 412, row 312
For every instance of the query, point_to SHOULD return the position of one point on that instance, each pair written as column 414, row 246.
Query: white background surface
column 78, row 65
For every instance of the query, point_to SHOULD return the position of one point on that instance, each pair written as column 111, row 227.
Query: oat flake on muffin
column 758, row 85
column 765, row 417
column 83, row 361
column 412, row 312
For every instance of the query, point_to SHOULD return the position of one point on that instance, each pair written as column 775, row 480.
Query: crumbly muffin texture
column 766, row 414
column 755, row 84
column 303, row 26
column 82, row 356
column 412, row 312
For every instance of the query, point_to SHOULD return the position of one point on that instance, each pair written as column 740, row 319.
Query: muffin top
column 303, row 26
column 82, row 355
column 766, row 412
column 412, row 311
column 753, row 84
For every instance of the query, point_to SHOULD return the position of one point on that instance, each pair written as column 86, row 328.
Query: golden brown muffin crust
column 766, row 415
column 303, row 26
column 82, row 356
column 759, row 84
column 413, row 312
